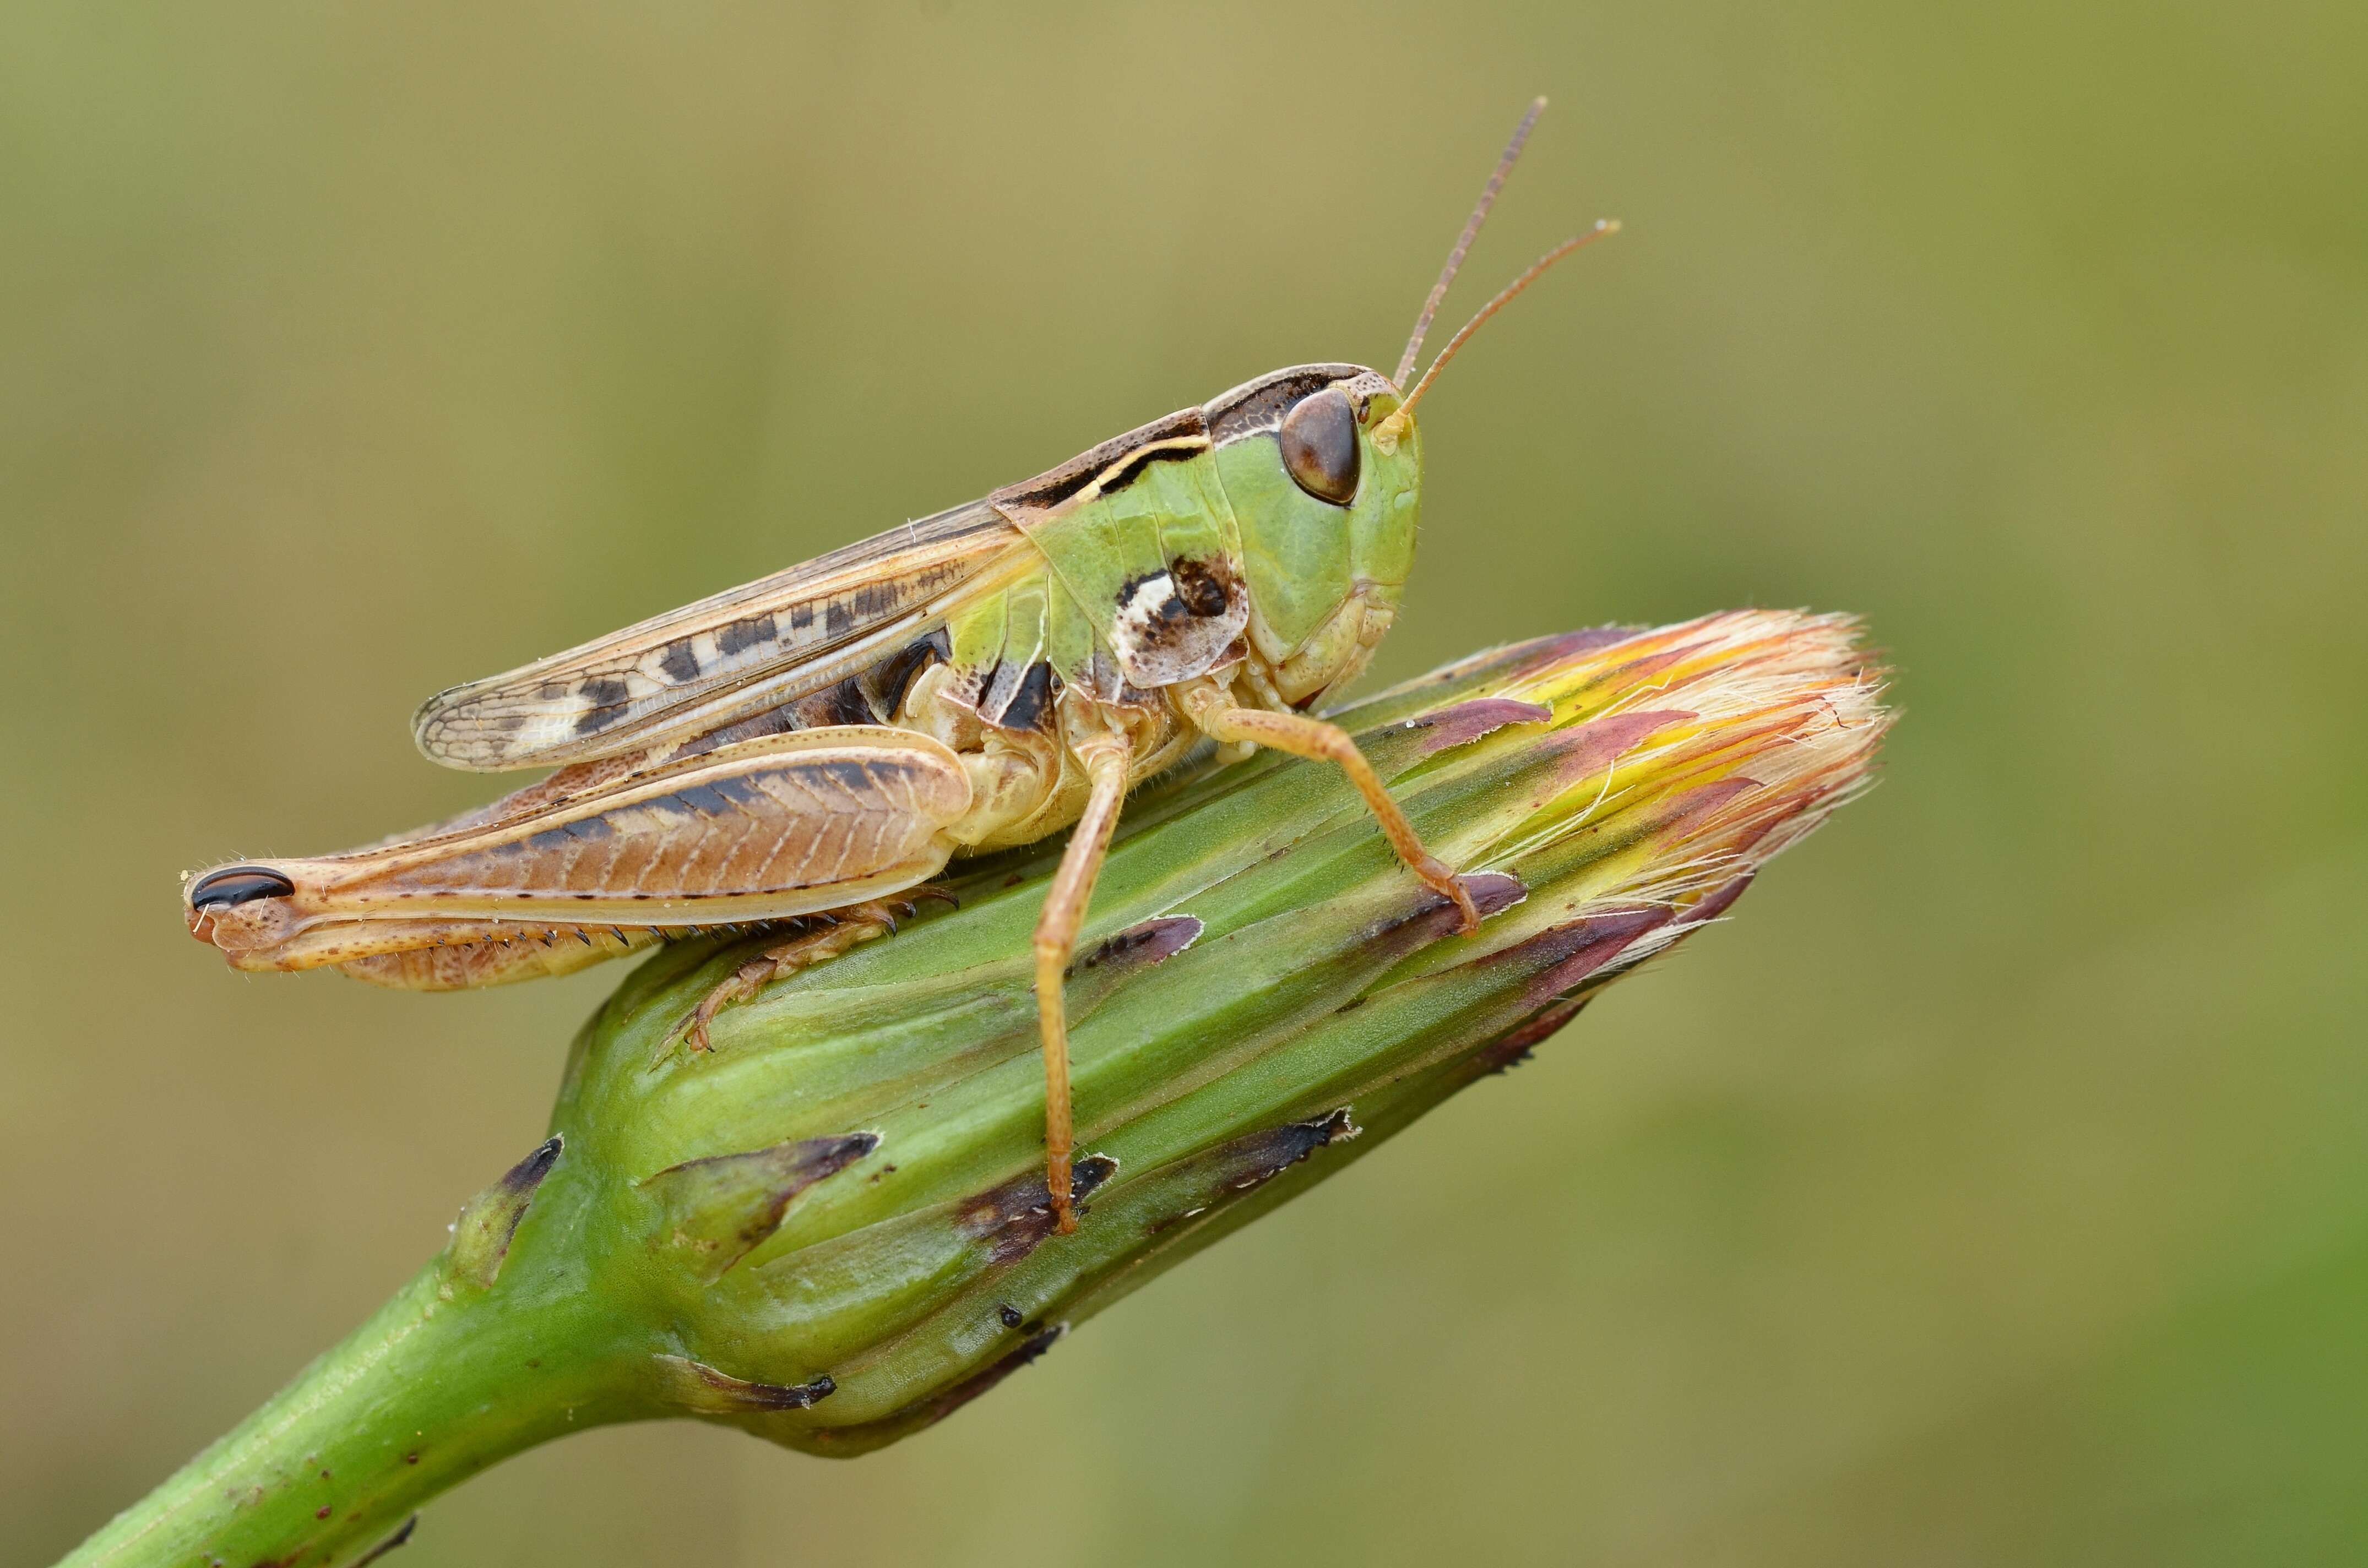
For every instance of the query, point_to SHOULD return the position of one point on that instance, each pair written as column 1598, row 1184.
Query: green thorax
column 1179, row 547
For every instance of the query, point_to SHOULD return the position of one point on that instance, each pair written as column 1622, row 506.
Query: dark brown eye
column 1319, row 446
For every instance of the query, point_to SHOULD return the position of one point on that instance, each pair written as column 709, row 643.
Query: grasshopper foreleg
column 1224, row 720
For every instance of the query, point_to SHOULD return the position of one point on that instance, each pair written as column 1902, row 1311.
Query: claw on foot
column 745, row 982
column 1447, row 884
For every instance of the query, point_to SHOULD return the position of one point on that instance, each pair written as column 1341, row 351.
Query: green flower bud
column 831, row 1229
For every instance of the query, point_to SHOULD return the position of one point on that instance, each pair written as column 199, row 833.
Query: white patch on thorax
column 1139, row 612
column 1158, row 640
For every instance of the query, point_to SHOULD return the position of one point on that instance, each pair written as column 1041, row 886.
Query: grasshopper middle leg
column 1106, row 758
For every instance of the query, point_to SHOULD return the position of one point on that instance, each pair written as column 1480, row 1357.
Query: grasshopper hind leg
column 498, row 957
column 813, row 940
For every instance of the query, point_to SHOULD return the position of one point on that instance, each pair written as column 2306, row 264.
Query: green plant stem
column 439, row 1384
column 831, row 1229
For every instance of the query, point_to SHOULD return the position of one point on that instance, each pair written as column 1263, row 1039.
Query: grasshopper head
column 1323, row 467
column 1327, row 509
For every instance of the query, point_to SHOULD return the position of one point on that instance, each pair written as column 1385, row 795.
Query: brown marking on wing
column 722, row 659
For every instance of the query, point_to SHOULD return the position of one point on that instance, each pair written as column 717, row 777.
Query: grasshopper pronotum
column 802, row 749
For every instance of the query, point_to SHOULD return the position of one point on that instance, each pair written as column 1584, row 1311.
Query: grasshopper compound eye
column 1319, row 446
column 237, row 884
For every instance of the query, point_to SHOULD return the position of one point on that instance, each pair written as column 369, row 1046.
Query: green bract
column 832, row 1230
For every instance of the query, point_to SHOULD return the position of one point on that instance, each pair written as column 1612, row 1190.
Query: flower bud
column 834, row 1227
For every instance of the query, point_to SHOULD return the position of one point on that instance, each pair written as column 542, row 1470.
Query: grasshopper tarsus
column 833, row 933
column 1447, row 884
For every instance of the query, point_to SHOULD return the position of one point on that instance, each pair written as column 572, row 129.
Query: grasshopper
column 797, row 752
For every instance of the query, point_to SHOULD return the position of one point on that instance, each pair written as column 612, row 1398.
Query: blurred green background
column 1992, row 1189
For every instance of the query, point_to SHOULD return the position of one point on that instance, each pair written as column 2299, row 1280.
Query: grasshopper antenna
column 1386, row 434
column 1464, row 241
